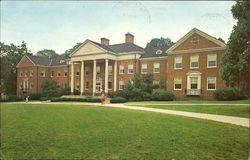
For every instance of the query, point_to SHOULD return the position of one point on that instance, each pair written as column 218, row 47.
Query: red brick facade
column 30, row 76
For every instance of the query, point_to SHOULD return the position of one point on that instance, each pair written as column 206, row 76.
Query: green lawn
column 46, row 131
column 229, row 110
column 194, row 102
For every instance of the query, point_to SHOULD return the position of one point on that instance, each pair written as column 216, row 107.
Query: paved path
column 179, row 104
column 219, row 118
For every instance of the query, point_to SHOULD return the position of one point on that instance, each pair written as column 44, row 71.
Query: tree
column 50, row 89
column 10, row 57
column 160, row 42
column 235, row 61
column 47, row 53
column 69, row 51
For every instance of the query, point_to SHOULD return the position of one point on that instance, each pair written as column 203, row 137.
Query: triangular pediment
column 25, row 61
column 203, row 41
column 87, row 48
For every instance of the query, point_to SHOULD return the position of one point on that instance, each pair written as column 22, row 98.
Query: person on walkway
column 27, row 99
column 103, row 97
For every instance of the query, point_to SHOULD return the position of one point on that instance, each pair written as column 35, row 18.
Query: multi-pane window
column 77, row 72
column 194, row 82
column 211, row 60
column 77, row 86
column 156, row 68
column 42, row 73
column 121, row 85
column 110, row 68
column 86, row 70
column 144, row 68
column 98, row 69
column 130, row 69
column 65, row 73
column 86, row 85
column 31, row 73
column 121, row 69
column 194, row 61
column 211, row 83
column 58, row 73
column 178, row 62
column 109, row 84
column 177, row 83
column 52, row 73
column 194, row 41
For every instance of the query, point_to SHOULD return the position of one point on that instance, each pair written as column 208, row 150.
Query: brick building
column 190, row 67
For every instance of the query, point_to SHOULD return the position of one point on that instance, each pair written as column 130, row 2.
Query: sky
column 59, row 25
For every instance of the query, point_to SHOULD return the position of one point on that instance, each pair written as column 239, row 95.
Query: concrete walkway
column 219, row 118
column 179, row 104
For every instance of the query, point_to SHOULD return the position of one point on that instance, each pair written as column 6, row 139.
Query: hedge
column 118, row 100
column 88, row 99
column 34, row 96
column 11, row 98
column 228, row 94
column 162, row 95
column 44, row 98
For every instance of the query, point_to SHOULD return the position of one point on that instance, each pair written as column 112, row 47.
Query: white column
column 115, row 75
column 106, row 75
column 82, row 77
column 72, row 78
column 94, row 76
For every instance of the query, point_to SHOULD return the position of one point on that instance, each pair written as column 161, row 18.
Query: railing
column 193, row 92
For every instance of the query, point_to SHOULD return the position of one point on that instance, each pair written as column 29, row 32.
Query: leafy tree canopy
column 235, row 61
column 69, row 51
column 160, row 42
column 10, row 56
column 49, row 88
column 47, row 53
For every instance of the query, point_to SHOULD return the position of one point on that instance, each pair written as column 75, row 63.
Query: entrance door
column 98, row 86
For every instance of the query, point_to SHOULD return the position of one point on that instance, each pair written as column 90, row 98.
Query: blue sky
column 59, row 25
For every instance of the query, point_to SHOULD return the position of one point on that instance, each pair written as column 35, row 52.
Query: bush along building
column 189, row 68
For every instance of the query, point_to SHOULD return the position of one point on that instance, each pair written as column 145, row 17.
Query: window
column 158, row 52
column 194, row 61
column 98, row 69
column 31, row 73
column 211, row 83
column 156, row 68
column 194, row 41
column 58, row 73
column 211, row 60
column 77, row 86
column 178, row 62
column 121, row 69
column 31, row 85
column 177, row 83
column 26, row 73
column 77, row 72
column 65, row 73
column 42, row 73
column 86, row 85
column 144, row 68
column 194, row 82
column 121, row 85
column 52, row 73
column 130, row 69
column 86, row 70
column 109, row 84
column 110, row 70
column 21, row 73
column 156, row 82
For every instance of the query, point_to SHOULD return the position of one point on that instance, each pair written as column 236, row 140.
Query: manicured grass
column 229, row 110
column 194, row 102
column 46, row 131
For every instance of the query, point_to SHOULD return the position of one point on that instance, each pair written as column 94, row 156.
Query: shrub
column 50, row 88
column 34, row 96
column 228, row 94
column 118, row 100
column 94, row 100
column 88, row 99
column 44, row 98
column 162, row 95
column 12, row 97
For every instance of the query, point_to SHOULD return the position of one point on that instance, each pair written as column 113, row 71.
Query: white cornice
column 153, row 58
column 197, row 50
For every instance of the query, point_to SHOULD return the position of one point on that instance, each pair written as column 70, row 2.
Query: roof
column 150, row 51
column 45, row 61
column 121, row 48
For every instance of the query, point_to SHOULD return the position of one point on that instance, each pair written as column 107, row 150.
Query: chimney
column 105, row 41
column 129, row 38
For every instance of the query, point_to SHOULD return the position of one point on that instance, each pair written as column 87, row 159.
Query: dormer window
column 194, row 41
column 158, row 52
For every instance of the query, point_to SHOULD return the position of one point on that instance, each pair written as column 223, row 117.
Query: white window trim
column 215, row 61
column 111, row 86
column 120, row 85
column 64, row 73
column 43, row 74
column 175, row 63
column 154, row 68
column 78, row 70
column 57, row 74
column 120, row 69
column 110, row 73
column 215, row 84
column 178, row 88
column 130, row 68
column 85, row 86
column 31, row 73
column 191, row 62
column 144, row 68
